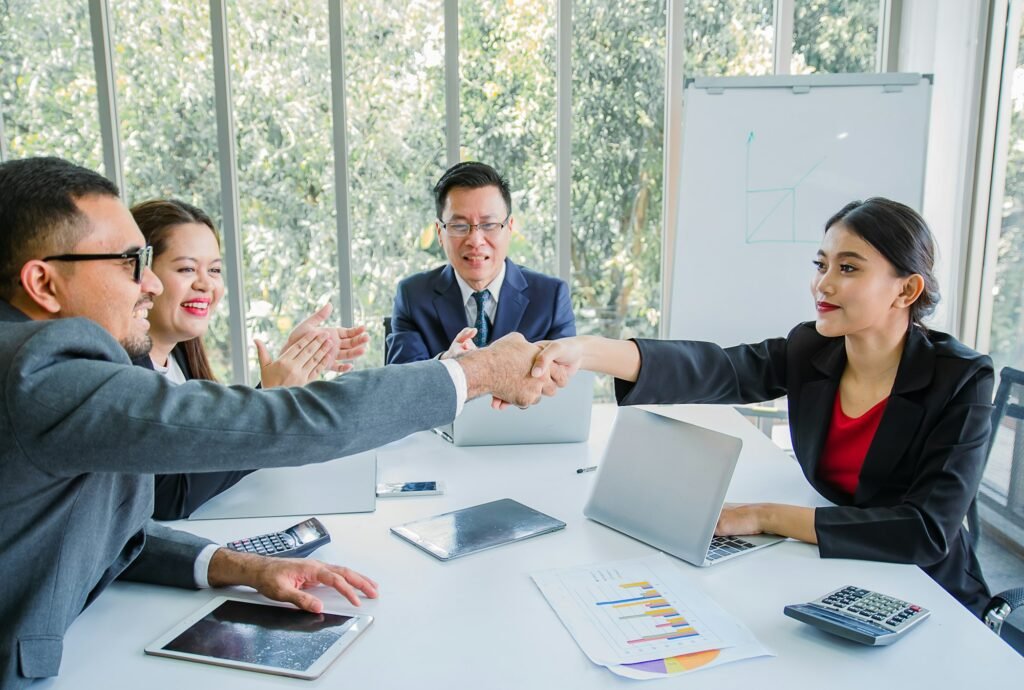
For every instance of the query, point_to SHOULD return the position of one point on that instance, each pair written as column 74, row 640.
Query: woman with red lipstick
column 187, row 259
column 889, row 420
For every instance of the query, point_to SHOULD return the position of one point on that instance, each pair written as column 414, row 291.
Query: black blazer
column 177, row 496
column 922, row 469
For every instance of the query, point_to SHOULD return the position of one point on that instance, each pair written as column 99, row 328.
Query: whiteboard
column 766, row 161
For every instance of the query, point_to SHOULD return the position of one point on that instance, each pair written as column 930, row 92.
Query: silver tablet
column 469, row 530
column 271, row 638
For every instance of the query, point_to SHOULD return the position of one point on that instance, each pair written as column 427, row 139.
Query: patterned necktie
column 483, row 329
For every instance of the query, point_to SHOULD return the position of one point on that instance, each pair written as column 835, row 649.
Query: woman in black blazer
column 187, row 259
column 867, row 358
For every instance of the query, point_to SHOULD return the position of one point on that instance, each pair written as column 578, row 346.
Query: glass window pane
column 507, row 83
column 835, row 36
column 618, row 134
column 728, row 38
column 281, row 85
column 165, row 94
column 1006, row 344
column 394, row 62
column 1007, row 335
column 47, row 81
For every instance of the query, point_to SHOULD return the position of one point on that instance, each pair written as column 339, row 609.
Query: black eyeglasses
column 463, row 229
column 143, row 258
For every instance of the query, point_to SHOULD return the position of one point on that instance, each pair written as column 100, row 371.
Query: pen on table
column 586, row 469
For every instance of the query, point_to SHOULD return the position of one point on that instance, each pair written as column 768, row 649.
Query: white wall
column 946, row 38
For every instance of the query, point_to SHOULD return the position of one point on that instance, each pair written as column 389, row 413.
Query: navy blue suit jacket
column 429, row 311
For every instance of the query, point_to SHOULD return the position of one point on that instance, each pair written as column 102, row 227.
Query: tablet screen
column 263, row 635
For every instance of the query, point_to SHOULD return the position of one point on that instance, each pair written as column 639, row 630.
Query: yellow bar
column 636, row 584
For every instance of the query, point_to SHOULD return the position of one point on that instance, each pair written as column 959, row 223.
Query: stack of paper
column 643, row 619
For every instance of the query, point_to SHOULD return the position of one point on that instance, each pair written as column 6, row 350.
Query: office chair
column 1011, row 385
column 1009, row 380
column 387, row 332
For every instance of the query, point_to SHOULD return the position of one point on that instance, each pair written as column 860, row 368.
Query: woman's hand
column 299, row 364
column 463, row 343
column 795, row 522
column 348, row 343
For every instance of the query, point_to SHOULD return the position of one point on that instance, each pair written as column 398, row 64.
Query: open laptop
column 344, row 485
column 561, row 418
column 663, row 481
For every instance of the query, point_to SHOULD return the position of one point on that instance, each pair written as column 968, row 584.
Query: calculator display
column 305, row 531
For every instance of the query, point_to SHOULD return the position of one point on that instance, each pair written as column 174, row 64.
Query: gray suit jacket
column 81, row 431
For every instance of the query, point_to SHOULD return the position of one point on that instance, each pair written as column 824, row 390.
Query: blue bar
column 623, row 601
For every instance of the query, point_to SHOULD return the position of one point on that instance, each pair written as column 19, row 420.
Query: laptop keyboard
column 727, row 546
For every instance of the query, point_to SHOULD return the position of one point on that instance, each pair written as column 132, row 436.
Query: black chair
column 1011, row 385
column 387, row 332
column 1009, row 378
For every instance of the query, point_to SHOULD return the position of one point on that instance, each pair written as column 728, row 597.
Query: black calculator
column 296, row 541
column 860, row 615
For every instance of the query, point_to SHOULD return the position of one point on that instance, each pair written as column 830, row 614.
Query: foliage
column 395, row 108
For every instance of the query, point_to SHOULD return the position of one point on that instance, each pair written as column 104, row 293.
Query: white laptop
column 561, row 418
column 343, row 485
column 663, row 481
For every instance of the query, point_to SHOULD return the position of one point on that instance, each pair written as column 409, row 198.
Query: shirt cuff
column 459, row 381
column 201, row 568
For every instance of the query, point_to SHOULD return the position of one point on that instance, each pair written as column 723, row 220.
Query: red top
column 847, row 445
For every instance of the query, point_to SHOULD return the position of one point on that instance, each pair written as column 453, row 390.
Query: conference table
column 481, row 622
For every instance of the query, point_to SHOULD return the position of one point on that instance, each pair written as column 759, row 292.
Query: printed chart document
column 643, row 618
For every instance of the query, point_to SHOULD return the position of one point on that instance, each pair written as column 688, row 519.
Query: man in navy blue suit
column 479, row 295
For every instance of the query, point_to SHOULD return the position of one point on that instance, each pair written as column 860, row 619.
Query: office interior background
column 312, row 131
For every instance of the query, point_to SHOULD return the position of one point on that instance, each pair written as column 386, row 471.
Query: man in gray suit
column 81, row 429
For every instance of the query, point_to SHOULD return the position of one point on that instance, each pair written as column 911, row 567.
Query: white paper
column 625, row 612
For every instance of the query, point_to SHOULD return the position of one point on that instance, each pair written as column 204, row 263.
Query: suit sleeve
column 406, row 343
column 167, row 558
column 177, row 496
column 564, row 323
column 689, row 371
column 84, row 408
column 921, row 528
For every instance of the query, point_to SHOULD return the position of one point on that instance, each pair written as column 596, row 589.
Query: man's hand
column 463, row 343
column 299, row 364
column 348, row 343
column 503, row 370
column 283, row 579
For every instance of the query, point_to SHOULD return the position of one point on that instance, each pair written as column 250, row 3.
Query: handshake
column 516, row 372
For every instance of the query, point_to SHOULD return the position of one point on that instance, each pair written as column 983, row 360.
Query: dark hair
column 38, row 214
column 157, row 219
column 899, row 234
column 470, row 175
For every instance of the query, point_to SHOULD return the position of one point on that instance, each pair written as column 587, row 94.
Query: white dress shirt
column 491, row 306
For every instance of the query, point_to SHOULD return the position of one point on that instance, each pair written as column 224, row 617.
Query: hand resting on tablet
column 283, row 579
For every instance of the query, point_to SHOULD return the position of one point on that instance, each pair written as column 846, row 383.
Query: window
column 164, row 67
column 394, row 63
column 398, row 130
column 47, row 81
column 728, row 39
column 507, row 103
column 835, row 36
column 281, row 86
column 618, row 86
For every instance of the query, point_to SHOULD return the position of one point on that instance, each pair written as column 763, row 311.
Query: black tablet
column 254, row 636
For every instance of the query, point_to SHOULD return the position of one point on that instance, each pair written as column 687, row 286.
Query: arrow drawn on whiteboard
column 778, row 223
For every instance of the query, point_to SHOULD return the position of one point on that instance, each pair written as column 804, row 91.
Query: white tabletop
column 480, row 621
